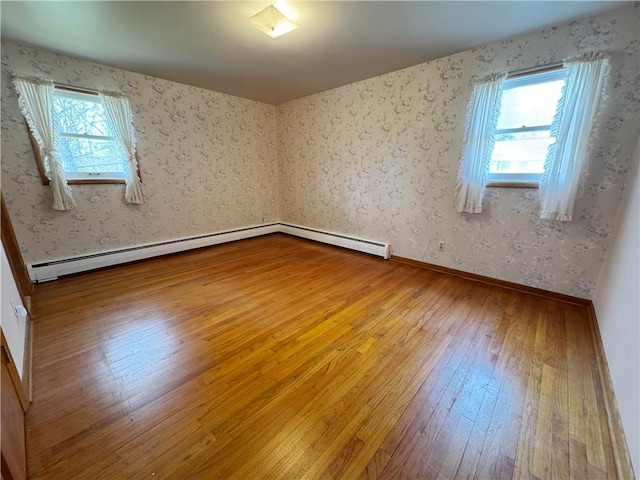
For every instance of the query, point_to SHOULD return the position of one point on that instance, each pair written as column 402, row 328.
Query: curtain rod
column 72, row 88
column 539, row 69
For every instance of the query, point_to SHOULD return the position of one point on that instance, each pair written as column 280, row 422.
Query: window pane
column 530, row 105
column 81, row 117
column 521, row 152
column 88, row 155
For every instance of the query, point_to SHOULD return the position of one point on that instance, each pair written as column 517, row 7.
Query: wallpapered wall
column 207, row 160
column 376, row 159
column 379, row 159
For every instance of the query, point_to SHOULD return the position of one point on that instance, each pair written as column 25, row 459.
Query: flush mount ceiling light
column 272, row 22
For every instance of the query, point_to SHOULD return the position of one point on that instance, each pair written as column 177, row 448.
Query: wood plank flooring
column 280, row 358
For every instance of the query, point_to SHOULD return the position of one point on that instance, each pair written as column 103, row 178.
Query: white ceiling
column 213, row 45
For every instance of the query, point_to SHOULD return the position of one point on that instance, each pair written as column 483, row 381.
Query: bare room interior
column 320, row 240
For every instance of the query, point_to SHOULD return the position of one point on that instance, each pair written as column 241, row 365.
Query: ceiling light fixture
column 273, row 22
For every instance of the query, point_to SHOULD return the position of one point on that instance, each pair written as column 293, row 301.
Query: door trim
column 7, row 359
column 16, row 262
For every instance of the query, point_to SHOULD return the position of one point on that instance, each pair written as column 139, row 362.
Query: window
column 88, row 149
column 523, row 131
column 89, row 135
column 518, row 125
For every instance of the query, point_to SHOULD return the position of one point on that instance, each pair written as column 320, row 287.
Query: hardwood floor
column 280, row 358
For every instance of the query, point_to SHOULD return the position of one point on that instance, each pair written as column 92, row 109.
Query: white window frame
column 77, row 177
column 87, row 176
column 523, row 80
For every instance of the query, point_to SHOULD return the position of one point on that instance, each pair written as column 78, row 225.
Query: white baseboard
column 46, row 271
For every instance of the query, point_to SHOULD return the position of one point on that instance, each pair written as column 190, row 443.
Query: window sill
column 96, row 181
column 79, row 181
column 513, row 184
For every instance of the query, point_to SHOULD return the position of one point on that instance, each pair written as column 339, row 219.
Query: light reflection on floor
column 139, row 352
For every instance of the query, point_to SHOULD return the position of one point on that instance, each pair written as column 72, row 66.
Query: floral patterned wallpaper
column 379, row 159
column 207, row 161
column 376, row 159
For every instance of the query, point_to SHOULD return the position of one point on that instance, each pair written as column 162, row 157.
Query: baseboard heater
column 367, row 246
column 46, row 271
column 43, row 272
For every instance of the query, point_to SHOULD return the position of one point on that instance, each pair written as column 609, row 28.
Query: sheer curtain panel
column 482, row 114
column 34, row 98
column 566, row 163
column 117, row 107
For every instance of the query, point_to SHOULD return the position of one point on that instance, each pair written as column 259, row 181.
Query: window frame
column 524, row 180
column 77, row 178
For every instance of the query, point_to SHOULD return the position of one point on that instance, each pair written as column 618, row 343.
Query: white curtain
column 35, row 100
column 482, row 114
column 565, row 167
column 118, row 109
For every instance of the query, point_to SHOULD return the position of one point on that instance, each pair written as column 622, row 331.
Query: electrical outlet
column 441, row 246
